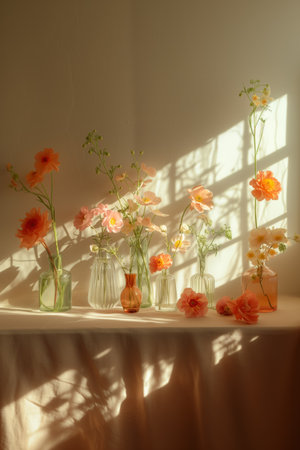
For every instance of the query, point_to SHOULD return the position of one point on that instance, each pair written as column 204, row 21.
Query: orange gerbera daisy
column 160, row 262
column 33, row 178
column 266, row 186
column 34, row 228
column 46, row 161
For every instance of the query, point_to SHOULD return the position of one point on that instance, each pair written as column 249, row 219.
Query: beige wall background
column 161, row 76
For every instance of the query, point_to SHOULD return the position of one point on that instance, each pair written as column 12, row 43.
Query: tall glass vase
column 131, row 295
column 204, row 283
column 263, row 282
column 55, row 288
column 140, row 266
column 103, row 288
column 166, row 293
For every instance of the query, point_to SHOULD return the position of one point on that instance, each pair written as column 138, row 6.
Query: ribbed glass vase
column 103, row 287
column 204, row 283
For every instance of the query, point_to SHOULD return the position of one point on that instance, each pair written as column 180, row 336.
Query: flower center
column 146, row 200
column 268, row 184
column 178, row 243
column 112, row 221
column 198, row 198
column 193, row 303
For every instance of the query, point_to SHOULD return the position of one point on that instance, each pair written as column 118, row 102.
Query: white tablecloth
column 149, row 381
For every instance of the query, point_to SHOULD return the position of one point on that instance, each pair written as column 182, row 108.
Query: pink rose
column 222, row 306
column 193, row 304
column 245, row 307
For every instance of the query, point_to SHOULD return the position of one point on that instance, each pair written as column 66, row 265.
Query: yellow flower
column 256, row 100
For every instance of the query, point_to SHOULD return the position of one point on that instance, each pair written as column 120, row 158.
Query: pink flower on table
column 112, row 221
column 201, row 199
column 83, row 219
column 148, row 170
column 222, row 306
column 193, row 304
column 266, row 186
column 160, row 262
column 245, row 307
column 149, row 198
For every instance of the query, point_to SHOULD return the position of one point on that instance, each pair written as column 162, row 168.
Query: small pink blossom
column 83, row 219
column 157, row 212
column 149, row 198
column 201, row 199
column 148, row 170
column 222, row 306
column 245, row 307
column 127, row 227
column 120, row 176
column 112, row 221
column 193, row 304
column 132, row 206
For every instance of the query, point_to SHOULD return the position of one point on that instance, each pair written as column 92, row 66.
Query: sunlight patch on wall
column 274, row 137
column 211, row 163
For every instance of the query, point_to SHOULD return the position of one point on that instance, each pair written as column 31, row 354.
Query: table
column 91, row 380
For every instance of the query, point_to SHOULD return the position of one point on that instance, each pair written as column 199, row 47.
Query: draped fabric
column 149, row 381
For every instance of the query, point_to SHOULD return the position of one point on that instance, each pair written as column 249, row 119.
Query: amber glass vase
column 131, row 296
column 263, row 282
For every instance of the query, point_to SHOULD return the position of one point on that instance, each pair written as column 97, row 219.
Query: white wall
column 160, row 76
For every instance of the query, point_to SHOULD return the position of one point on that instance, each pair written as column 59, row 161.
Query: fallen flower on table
column 193, row 304
column 222, row 306
column 245, row 307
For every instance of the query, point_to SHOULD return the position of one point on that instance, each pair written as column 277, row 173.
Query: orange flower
column 34, row 228
column 193, row 304
column 34, row 178
column 266, row 187
column 160, row 262
column 245, row 307
column 46, row 161
column 201, row 199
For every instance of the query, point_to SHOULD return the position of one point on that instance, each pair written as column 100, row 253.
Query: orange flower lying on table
column 193, row 304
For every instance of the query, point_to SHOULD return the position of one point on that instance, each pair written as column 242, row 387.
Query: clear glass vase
column 140, row 266
column 204, row 283
column 263, row 282
column 131, row 295
column 103, row 287
column 166, row 293
column 55, row 288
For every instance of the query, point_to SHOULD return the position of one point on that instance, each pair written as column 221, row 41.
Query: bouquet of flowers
column 55, row 285
column 132, row 212
column 264, row 242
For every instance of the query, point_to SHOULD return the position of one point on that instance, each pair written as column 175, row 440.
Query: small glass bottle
column 55, row 288
column 166, row 293
column 131, row 296
column 263, row 282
